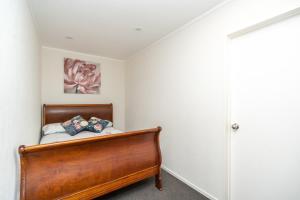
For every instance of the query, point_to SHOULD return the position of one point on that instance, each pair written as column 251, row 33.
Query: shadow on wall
column 18, row 174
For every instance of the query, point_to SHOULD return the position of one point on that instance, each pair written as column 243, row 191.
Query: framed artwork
column 81, row 77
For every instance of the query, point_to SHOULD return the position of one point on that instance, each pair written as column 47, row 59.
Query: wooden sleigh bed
column 90, row 167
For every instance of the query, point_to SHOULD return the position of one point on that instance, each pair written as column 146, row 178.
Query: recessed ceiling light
column 69, row 38
column 138, row 29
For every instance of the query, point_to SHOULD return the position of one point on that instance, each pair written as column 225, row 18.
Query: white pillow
column 53, row 128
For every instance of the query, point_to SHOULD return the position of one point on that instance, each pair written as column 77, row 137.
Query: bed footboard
column 91, row 167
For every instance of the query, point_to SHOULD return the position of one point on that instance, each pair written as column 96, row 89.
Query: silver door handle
column 235, row 126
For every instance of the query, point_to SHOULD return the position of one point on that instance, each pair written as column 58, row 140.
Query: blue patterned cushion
column 97, row 125
column 75, row 125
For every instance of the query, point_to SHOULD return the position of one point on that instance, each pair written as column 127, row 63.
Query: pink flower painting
column 81, row 77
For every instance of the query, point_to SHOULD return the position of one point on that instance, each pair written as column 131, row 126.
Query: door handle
column 235, row 126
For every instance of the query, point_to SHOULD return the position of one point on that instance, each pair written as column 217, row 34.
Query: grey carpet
column 173, row 189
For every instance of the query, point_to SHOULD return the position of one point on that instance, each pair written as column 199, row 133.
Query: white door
column 265, row 102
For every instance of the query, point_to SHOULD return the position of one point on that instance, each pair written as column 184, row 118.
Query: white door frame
column 230, row 37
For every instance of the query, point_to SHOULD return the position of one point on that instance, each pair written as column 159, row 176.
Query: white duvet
column 58, row 137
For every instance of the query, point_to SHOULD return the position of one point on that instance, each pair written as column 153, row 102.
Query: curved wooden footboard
column 91, row 167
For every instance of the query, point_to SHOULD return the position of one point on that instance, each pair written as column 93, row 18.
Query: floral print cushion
column 75, row 125
column 97, row 125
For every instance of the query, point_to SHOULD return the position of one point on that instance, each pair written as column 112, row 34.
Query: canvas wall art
column 81, row 77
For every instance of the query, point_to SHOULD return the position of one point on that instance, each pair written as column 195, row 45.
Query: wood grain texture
column 90, row 167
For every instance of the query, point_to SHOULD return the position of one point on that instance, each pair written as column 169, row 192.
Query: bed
column 60, row 137
column 87, row 168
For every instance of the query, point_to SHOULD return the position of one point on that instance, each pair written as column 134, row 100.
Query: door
column 265, row 103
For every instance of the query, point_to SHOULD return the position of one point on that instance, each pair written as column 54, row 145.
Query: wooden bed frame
column 90, row 167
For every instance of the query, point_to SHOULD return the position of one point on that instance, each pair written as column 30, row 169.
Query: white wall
column 180, row 83
column 112, row 82
column 20, row 105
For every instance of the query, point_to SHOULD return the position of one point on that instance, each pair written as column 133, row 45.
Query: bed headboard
column 63, row 112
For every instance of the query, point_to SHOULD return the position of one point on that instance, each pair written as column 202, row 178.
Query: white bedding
column 58, row 137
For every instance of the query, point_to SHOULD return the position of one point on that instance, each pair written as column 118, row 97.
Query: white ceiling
column 107, row 27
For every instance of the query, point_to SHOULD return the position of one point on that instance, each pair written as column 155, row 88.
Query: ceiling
column 108, row 27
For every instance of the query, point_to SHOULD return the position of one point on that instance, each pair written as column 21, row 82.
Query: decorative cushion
column 53, row 128
column 75, row 125
column 110, row 124
column 97, row 125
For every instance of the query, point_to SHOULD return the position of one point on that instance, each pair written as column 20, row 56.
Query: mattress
column 59, row 137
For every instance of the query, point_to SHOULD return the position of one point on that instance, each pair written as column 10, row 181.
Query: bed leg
column 158, row 181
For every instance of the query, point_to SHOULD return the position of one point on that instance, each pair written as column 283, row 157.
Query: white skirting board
column 201, row 191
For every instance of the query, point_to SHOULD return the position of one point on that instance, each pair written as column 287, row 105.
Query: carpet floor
column 173, row 189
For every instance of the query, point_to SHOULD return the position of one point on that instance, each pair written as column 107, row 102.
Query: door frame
column 229, row 38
